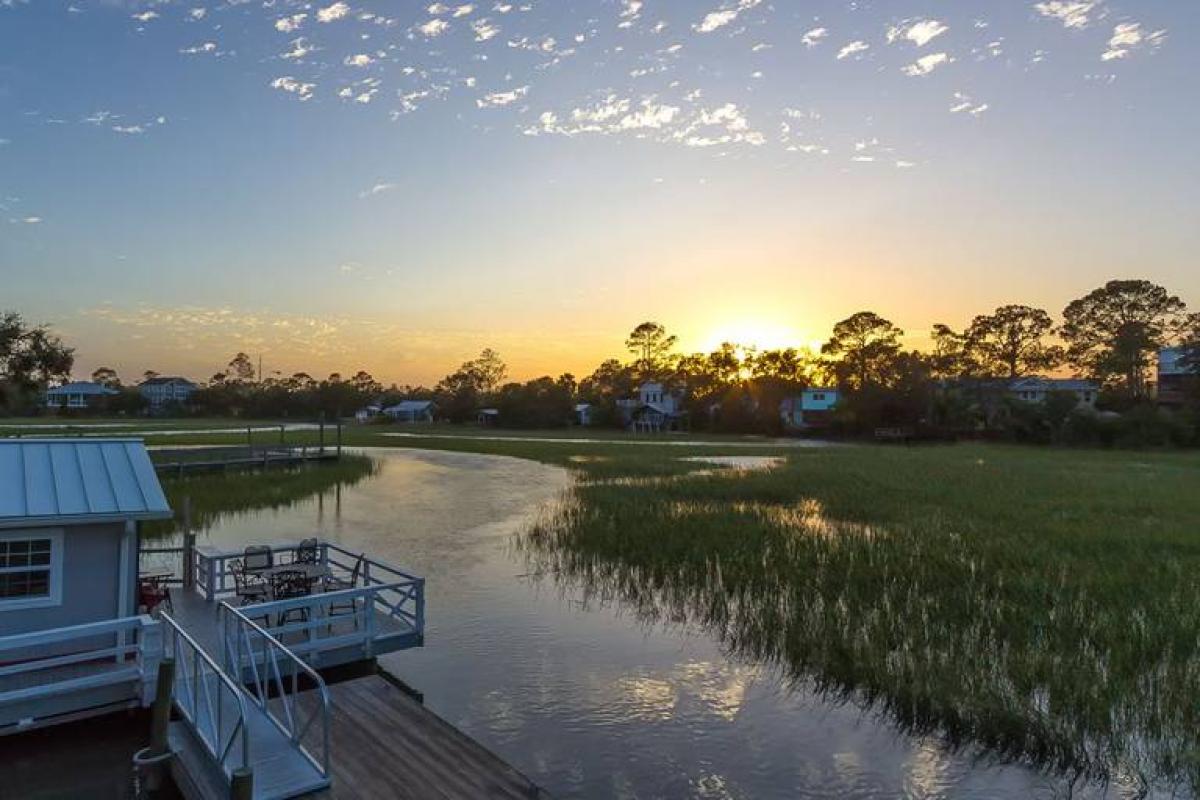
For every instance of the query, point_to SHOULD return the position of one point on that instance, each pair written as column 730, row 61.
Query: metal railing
column 211, row 703
column 274, row 683
column 68, row 661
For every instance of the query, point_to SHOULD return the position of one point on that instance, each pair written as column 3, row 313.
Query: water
column 581, row 697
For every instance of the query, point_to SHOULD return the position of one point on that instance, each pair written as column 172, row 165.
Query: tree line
column 959, row 384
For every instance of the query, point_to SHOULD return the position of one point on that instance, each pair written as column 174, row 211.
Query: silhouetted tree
column 106, row 376
column 1114, row 331
column 862, row 350
column 650, row 345
column 1011, row 342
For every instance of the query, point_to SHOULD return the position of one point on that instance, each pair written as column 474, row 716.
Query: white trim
column 55, row 535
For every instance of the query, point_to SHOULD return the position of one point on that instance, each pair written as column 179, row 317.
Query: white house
column 368, row 413
column 1036, row 389
column 412, row 411
column 78, row 395
column 656, row 409
column 585, row 414
column 71, row 639
column 811, row 409
column 164, row 391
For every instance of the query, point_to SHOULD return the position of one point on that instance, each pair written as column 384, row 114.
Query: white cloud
column 332, row 13
column 1129, row 36
column 1071, row 13
column 358, row 60
column 198, row 13
column 207, row 47
column 497, row 99
column 434, row 27
column 484, row 30
column 920, row 32
column 300, row 48
column 463, row 10
column 146, row 16
column 814, row 37
column 378, row 188
column 31, row 220
column 927, row 64
column 723, row 16
column 853, row 49
column 290, row 24
column 289, row 84
column 964, row 104
column 132, row 130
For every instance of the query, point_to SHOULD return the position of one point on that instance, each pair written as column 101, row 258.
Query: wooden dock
column 188, row 460
column 388, row 745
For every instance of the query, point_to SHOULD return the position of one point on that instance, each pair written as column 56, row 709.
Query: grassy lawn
column 1041, row 604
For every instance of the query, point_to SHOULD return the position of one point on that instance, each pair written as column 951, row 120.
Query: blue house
column 78, row 395
column 813, row 408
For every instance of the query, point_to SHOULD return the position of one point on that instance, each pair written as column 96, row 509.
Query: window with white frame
column 30, row 568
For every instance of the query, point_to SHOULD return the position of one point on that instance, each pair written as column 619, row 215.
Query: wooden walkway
column 387, row 745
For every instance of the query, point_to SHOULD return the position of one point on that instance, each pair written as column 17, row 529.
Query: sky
column 393, row 186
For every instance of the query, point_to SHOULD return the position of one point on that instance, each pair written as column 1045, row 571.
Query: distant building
column 813, row 408
column 163, row 392
column 1036, row 390
column 585, row 414
column 78, row 395
column 1175, row 377
column 412, row 411
column 655, row 410
column 368, row 412
column 488, row 416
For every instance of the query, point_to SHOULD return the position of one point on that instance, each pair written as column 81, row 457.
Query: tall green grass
column 1042, row 605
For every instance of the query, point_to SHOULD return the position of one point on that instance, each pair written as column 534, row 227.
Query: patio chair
column 287, row 584
column 331, row 583
column 308, row 552
column 250, row 588
column 257, row 557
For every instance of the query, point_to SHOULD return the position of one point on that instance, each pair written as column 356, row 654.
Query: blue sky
column 396, row 185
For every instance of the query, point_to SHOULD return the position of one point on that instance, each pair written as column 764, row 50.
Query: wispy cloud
column 1128, row 37
column 918, row 31
column 333, row 13
column 927, row 64
column 853, row 50
column 1071, row 13
column 378, row 188
column 723, row 16
column 291, row 85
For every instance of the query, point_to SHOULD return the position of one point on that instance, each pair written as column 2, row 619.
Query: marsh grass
column 1043, row 605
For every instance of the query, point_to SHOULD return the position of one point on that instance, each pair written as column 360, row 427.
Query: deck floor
column 387, row 745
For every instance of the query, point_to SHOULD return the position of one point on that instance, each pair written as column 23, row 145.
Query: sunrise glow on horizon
column 340, row 186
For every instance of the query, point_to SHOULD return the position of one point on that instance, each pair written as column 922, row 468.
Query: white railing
column 211, row 703
column 380, row 600
column 274, row 683
column 43, row 667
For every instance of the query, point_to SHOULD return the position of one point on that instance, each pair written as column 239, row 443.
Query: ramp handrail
column 196, row 677
column 275, row 674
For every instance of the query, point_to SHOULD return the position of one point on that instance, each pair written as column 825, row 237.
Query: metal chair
column 331, row 583
column 257, row 557
column 287, row 584
column 308, row 552
column 250, row 588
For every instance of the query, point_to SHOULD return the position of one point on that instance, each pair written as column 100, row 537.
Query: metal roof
column 81, row 387
column 77, row 481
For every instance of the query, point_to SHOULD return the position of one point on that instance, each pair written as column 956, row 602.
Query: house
column 412, row 411
column 488, row 416
column 655, row 410
column 71, row 641
column 1036, row 389
column 78, row 395
column 1175, row 377
column 368, row 413
column 163, row 392
column 813, row 408
column 585, row 414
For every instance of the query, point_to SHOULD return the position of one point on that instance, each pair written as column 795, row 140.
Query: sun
column 757, row 334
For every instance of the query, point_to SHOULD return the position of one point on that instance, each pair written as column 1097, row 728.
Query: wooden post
column 339, row 438
column 281, row 440
column 249, row 441
column 160, row 714
column 189, row 545
column 322, row 435
column 242, row 785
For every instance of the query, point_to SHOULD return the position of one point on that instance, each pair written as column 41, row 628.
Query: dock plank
column 387, row 745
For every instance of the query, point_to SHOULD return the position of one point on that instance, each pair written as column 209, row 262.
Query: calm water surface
column 583, row 698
